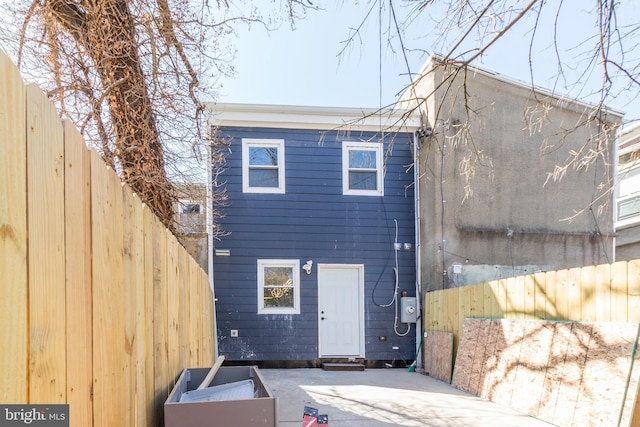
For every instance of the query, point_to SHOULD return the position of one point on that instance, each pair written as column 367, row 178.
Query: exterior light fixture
column 307, row 266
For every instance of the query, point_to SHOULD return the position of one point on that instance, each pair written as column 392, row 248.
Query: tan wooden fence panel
column 101, row 307
column 78, row 271
column 151, row 408
column 608, row 292
column 45, row 216
column 13, row 235
column 633, row 290
column 111, row 367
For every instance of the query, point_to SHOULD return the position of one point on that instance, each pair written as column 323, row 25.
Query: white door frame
column 361, row 317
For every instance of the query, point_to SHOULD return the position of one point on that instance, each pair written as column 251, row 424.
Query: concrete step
column 343, row 366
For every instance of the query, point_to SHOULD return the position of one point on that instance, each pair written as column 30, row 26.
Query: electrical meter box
column 408, row 310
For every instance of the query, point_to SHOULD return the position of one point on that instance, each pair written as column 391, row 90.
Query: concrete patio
column 384, row 397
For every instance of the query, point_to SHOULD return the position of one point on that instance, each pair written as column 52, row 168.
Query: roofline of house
column 407, row 97
column 311, row 117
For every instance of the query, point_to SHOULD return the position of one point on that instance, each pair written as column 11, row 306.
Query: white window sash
column 294, row 264
column 247, row 168
column 347, row 147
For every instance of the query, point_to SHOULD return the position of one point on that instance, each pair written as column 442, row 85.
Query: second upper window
column 263, row 166
column 362, row 173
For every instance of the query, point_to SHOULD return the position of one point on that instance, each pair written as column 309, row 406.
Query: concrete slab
column 384, row 397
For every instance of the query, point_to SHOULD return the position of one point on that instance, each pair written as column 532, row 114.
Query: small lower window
column 278, row 286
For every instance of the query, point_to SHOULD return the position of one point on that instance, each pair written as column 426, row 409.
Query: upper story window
column 362, row 173
column 191, row 218
column 278, row 286
column 263, row 166
column 628, row 203
column 190, row 207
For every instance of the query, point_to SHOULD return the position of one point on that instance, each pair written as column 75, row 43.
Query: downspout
column 417, row 246
column 209, row 220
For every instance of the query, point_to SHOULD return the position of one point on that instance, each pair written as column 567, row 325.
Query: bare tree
column 601, row 67
column 132, row 75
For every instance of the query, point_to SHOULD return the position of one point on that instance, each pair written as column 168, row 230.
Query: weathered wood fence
column 100, row 306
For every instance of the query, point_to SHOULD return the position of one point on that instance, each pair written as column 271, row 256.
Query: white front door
column 341, row 310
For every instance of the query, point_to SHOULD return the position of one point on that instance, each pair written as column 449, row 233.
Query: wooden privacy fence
column 608, row 292
column 100, row 306
column 603, row 293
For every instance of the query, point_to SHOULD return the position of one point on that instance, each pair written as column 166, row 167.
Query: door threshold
column 343, row 366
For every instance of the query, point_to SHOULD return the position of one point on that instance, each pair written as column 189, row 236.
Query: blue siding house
column 319, row 249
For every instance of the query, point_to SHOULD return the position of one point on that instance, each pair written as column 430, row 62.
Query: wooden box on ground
column 262, row 410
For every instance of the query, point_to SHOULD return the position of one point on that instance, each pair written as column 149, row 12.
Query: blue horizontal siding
column 313, row 220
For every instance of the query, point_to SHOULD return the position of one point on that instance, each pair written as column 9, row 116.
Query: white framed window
column 190, row 216
column 263, row 166
column 362, row 173
column 278, row 286
column 190, row 207
column 628, row 200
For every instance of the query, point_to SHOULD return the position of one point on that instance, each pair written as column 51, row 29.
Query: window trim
column 295, row 265
column 253, row 142
column 623, row 174
column 348, row 146
column 183, row 203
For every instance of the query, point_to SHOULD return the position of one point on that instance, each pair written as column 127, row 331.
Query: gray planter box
column 261, row 410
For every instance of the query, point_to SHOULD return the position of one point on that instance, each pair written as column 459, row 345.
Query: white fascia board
column 307, row 117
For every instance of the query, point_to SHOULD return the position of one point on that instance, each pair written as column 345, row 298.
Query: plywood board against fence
column 606, row 373
column 631, row 397
column 438, row 353
column 13, row 235
column 569, row 374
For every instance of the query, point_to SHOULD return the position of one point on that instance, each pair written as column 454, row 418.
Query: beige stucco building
column 512, row 179
column 191, row 221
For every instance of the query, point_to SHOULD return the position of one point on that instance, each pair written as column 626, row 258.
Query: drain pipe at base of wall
column 417, row 246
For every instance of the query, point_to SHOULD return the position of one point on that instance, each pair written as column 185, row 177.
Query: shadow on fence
column 605, row 293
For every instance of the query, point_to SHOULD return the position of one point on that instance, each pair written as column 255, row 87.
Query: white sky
column 303, row 66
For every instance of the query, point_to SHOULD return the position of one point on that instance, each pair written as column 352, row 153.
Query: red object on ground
column 310, row 417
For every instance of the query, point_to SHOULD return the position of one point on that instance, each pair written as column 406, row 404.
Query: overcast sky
column 304, row 66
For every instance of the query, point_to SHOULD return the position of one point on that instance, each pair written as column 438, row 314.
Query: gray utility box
column 261, row 410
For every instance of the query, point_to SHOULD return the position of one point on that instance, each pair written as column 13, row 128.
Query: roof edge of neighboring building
column 433, row 58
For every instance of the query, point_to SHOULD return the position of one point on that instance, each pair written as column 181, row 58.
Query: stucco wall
column 197, row 245
column 509, row 216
